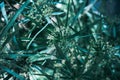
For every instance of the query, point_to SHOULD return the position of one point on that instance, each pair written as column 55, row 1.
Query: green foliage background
column 57, row 40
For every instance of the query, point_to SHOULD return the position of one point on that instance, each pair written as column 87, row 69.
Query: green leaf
column 11, row 22
column 2, row 6
column 12, row 72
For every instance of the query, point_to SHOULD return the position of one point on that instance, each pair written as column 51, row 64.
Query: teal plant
column 57, row 40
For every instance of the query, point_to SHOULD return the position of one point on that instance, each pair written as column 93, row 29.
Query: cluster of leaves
column 57, row 40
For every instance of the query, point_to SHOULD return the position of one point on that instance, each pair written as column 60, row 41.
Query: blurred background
column 59, row 40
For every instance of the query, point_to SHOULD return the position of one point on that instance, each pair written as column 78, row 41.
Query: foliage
column 57, row 40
